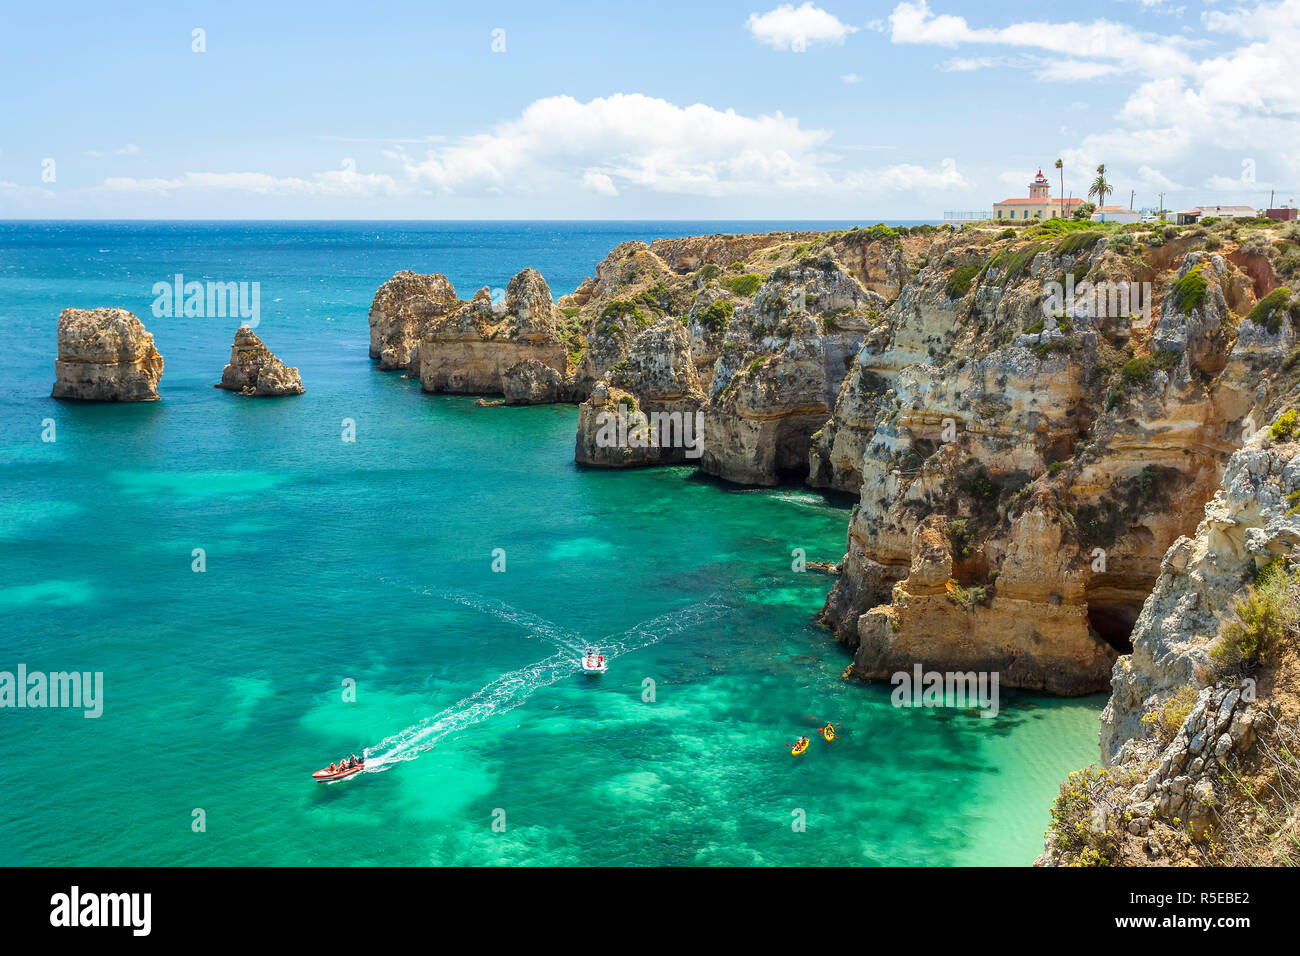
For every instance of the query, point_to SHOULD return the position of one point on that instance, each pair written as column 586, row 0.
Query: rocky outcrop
column 780, row 368
column 1060, row 429
column 106, row 355
column 1030, row 638
column 403, row 309
column 650, row 413
column 532, row 382
column 469, row 351
column 1180, row 767
column 1247, row 524
column 253, row 370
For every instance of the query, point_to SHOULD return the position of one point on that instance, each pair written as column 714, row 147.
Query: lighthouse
column 1039, row 188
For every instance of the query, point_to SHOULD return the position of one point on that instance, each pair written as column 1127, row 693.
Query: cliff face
column 106, row 355
column 650, row 417
column 1067, row 446
column 1198, row 740
column 254, row 370
column 471, row 349
column 779, row 369
column 771, row 322
column 403, row 308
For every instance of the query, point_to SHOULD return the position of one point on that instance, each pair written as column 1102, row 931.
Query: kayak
column 324, row 775
column 828, row 733
column 594, row 666
column 799, row 748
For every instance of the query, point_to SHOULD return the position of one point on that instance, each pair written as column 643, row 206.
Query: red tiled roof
column 1068, row 202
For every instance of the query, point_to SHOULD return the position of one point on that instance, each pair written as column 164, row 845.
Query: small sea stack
column 106, row 355
column 255, row 371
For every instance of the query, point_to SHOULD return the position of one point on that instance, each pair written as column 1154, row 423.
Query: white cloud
column 1093, row 49
column 793, row 28
column 1231, row 107
column 850, row 78
column 599, row 182
column 343, row 182
column 629, row 140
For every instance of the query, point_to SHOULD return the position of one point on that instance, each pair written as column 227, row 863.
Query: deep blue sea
column 349, row 603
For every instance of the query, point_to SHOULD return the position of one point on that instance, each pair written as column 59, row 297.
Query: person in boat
column 600, row 661
column 332, row 768
column 355, row 761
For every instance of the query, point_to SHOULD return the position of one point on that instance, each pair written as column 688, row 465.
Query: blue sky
column 863, row 110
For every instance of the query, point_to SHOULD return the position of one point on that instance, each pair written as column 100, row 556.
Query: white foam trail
column 514, row 687
column 537, row 626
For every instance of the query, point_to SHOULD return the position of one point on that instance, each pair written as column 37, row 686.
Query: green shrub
column 1189, row 291
column 1268, row 311
column 1138, row 371
column 1071, row 830
column 1260, row 618
column 1167, row 720
column 1284, row 428
column 1288, row 264
column 959, row 282
column 707, row 271
column 714, row 317
column 744, row 285
column 1078, row 242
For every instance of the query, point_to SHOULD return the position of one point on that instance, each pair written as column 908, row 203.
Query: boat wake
column 515, row 687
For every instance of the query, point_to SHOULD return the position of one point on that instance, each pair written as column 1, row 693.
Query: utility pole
column 1162, row 207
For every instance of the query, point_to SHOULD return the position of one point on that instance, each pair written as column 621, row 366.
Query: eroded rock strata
column 253, row 370
column 106, row 355
column 1199, row 736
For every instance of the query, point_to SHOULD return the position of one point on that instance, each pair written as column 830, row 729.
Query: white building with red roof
column 1039, row 204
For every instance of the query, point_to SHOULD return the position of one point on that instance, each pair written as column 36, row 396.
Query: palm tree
column 1061, row 166
column 1100, row 187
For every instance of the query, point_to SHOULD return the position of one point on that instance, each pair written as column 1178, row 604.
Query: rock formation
column 106, row 355
column 403, row 308
column 1182, row 778
column 650, row 415
column 469, row 350
column 253, row 370
column 1065, row 446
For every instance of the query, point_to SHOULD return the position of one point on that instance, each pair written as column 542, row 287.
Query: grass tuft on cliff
column 1260, row 617
column 959, row 282
column 1189, row 291
column 743, row 285
column 1269, row 310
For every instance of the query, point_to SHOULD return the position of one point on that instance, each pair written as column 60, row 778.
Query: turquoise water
column 372, row 561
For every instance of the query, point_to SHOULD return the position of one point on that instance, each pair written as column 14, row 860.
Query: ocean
column 348, row 601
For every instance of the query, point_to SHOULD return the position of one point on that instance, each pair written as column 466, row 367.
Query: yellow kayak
column 799, row 747
column 828, row 732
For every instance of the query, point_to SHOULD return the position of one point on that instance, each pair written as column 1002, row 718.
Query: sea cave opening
column 1114, row 624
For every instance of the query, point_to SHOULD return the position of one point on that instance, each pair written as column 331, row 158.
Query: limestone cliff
column 254, row 370
column 106, row 355
column 1199, row 738
column 1067, row 440
column 470, row 350
column 402, row 310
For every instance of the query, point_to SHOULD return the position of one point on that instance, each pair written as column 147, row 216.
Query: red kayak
column 325, row 775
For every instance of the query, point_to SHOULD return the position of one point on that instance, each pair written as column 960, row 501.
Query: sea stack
column 106, row 355
column 254, row 370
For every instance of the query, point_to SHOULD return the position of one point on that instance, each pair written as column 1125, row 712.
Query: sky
column 836, row 109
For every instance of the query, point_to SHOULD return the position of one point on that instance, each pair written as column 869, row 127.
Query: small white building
column 1194, row 215
column 1115, row 214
